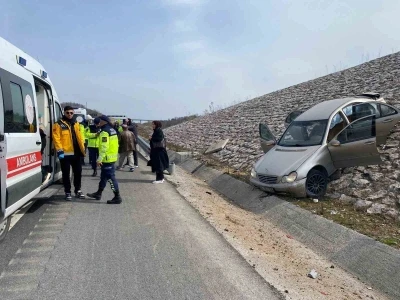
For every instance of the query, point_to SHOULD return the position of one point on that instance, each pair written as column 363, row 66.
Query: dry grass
column 375, row 226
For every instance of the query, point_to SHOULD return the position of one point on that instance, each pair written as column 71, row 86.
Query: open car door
column 388, row 117
column 355, row 145
column 267, row 139
column 292, row 116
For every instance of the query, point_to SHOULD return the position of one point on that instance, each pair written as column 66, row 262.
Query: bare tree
column 211, row 107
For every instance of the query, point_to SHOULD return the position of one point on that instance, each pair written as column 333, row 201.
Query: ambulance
column 29, row 107
column 80, row 114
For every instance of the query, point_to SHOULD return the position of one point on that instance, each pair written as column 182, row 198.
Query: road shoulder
column 280, row 259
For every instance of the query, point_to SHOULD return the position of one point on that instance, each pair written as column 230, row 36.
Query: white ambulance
column 80, row 114
column 28, row 109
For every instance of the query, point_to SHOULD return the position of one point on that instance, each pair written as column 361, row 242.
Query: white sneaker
column 136, row 166
column 159, row 181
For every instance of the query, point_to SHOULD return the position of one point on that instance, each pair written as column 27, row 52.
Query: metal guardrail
column 144, row 144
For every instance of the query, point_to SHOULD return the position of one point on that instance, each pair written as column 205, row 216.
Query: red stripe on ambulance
column 20, row 164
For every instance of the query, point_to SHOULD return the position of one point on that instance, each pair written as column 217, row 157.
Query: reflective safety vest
column 82, row 129
column 108, row 148
column 92, row 137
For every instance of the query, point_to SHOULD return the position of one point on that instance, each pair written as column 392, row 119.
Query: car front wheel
column 316, row 184
column 4, row 225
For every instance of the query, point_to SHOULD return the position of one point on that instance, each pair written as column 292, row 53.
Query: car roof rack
column 371, row 95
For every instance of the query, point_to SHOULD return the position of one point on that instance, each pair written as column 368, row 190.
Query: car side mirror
column 335, row 143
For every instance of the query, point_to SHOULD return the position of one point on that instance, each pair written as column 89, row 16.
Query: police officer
column 93, row 145
column 108, row 155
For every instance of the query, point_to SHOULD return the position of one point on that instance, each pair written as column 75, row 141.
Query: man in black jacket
column 133, row 128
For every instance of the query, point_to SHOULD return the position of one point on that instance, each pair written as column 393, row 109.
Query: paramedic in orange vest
column 70, row 147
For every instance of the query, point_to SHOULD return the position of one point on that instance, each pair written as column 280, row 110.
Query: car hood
column 280, row 161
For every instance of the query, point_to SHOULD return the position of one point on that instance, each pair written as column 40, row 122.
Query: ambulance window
column 17, row 109
column 20, row 115
column 58, row 112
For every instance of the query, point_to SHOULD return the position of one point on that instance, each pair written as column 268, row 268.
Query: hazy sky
column 157, row 59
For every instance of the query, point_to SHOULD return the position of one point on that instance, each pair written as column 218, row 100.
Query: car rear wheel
column 4, row 226
column 316, row 184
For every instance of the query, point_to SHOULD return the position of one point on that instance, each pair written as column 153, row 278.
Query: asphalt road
column 152, row 246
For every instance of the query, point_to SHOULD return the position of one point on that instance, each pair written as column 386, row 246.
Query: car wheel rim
column 3, row 226
column 316, row 184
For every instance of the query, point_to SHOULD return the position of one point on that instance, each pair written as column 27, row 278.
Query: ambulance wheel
column 4, row 226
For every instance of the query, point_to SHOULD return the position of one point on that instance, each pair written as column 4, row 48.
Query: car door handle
column 38, row 143
column 387, row 121
column 369, row 143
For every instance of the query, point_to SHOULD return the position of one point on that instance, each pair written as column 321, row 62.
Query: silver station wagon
column 317, row 143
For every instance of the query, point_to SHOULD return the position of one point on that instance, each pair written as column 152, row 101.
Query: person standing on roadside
column 135, row 154
column 158, row 154
column 69, row 144
column 82, row 128
column 126, row 147
column 108, row 155
column 117, row 127
column 133, row 128
column 93, row 146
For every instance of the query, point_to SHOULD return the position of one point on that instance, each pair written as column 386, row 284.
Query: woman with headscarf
column 158, row 154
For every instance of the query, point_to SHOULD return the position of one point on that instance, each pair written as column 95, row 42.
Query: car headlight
column 253, row 173
column 289, row 178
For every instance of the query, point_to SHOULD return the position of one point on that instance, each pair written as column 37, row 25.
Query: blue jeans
column 108, row 174
column 93, row 155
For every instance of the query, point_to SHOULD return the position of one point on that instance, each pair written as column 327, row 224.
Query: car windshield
column 304, row 133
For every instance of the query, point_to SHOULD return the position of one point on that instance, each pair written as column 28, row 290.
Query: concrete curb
column 367, row 259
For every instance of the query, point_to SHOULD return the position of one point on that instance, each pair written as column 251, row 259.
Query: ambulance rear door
column 20, row 158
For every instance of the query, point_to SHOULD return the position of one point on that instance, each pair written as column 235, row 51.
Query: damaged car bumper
column 296, row 188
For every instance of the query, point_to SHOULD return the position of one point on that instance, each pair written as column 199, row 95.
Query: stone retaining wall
column 374, row 189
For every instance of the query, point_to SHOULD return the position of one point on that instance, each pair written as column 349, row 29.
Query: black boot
column 116, row 200
column 96, row 195
column 94, row 173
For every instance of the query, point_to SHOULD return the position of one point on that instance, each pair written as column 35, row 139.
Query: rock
column 360, row 193
column 348, row 171
column 347, row 199
column 390, row 201
column 395, row 175
column 362, row 205
column 333, row 196
column 341, row 185
column 313, row 274
column 391, row 214
column 359, row 182
column 395, row 187
column 376, row 209
column 376, row 176
column 378, row 195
